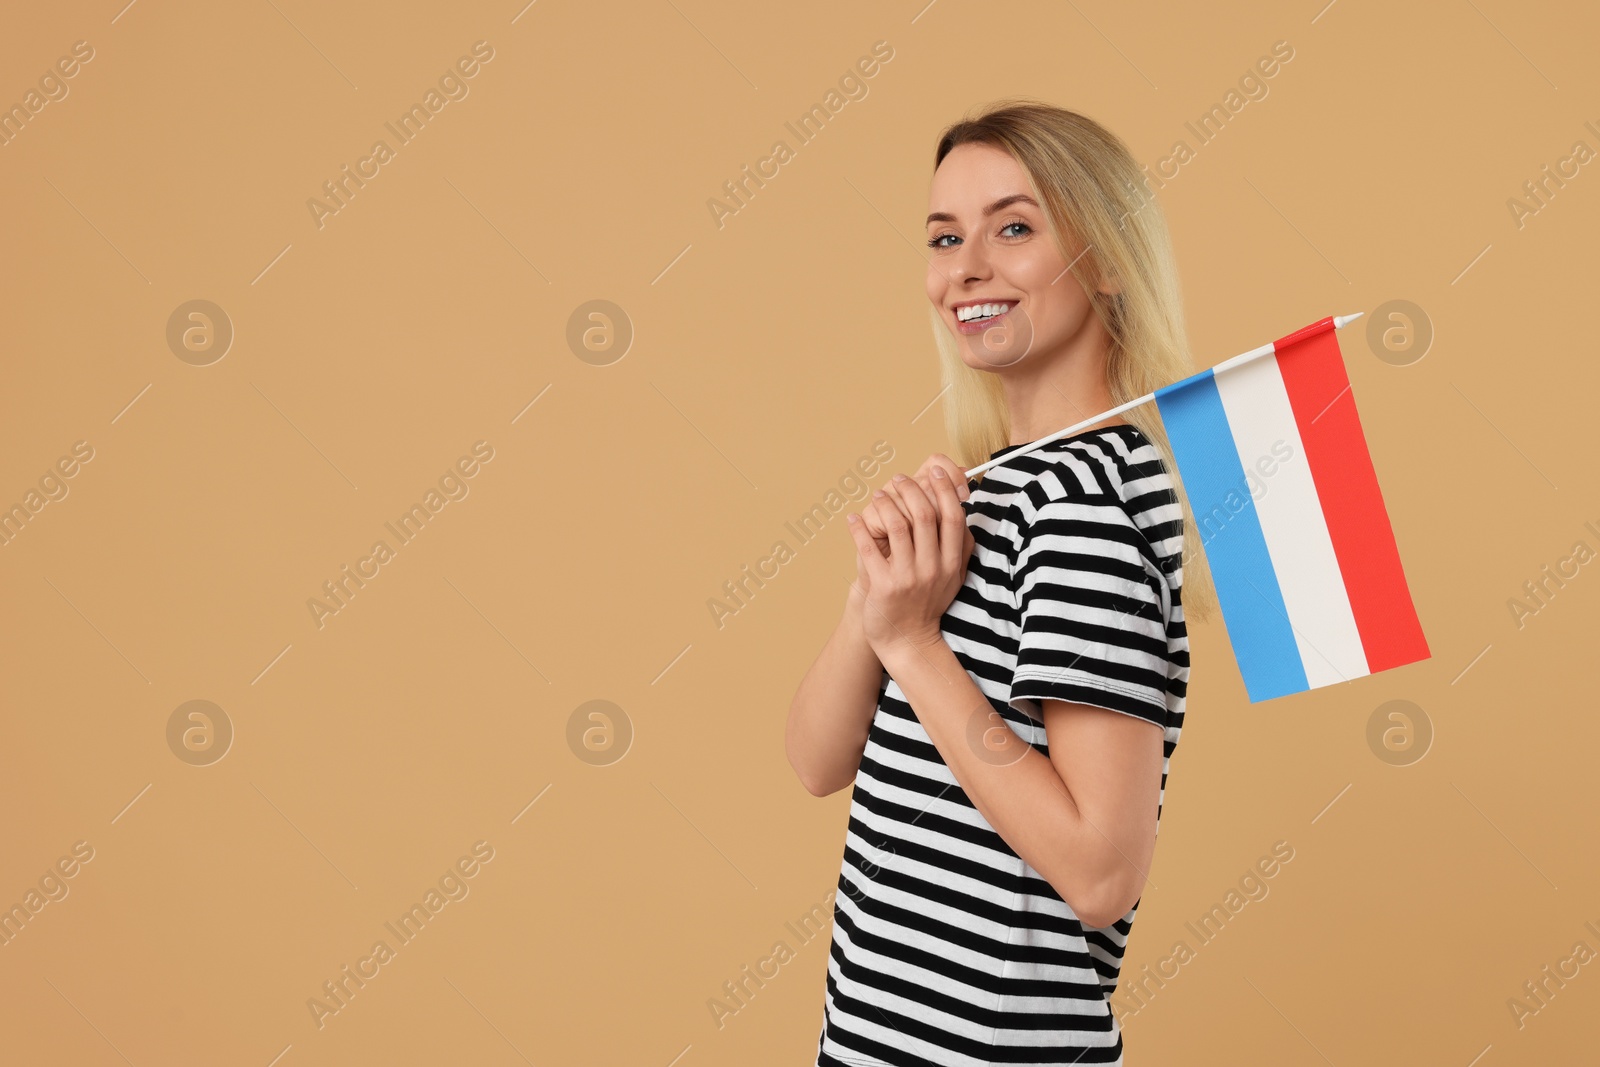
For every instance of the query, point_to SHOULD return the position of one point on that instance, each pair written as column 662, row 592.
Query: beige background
column 767, row 357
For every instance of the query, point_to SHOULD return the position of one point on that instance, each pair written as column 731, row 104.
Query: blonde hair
column 1091, row 190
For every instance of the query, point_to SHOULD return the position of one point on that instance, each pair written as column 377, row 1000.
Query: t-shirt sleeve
column 1093, row 612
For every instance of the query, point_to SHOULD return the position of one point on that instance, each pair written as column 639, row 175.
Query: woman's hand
column 906, row 591
column 924, row 478
column 873, row 517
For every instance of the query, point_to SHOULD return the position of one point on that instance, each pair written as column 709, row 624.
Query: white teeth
column 981, row 311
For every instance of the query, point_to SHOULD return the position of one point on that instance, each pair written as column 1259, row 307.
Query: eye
column 934, row 242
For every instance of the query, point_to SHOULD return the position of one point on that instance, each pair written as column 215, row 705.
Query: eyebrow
column 998, row 205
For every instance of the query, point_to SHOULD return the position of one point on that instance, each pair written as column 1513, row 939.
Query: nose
column 969, row 264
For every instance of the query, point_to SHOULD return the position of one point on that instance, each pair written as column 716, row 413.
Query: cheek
column 1059, row 302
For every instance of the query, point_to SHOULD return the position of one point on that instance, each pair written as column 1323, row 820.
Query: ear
column 1109, row 286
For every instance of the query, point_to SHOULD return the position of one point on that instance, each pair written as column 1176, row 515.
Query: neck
column 1061, row 388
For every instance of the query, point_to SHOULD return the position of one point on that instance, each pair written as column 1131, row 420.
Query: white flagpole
column 1243, row 357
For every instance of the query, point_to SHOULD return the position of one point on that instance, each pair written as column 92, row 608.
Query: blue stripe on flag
column 1247, row 585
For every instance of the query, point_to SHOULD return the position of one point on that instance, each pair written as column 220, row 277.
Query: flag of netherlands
column 1308, row 575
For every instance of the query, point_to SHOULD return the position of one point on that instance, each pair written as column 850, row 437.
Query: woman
column 1007, row 685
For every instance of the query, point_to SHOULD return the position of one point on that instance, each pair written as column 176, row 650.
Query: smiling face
column 999, row 282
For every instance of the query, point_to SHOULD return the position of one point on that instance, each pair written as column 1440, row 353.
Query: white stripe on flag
column 1290, row 513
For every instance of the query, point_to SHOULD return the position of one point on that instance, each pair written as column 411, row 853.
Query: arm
column 833, row 707
column 1084, row 817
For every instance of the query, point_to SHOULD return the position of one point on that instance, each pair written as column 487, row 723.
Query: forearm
column 1016, row 788
column 833, row 707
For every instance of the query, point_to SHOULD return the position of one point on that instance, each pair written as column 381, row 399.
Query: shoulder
column 1113, row 477
column 1116, row 462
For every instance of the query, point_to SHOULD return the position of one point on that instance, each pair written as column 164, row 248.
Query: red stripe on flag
column 1358, row 523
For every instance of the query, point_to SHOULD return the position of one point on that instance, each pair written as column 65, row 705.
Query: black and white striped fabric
column 948, row 949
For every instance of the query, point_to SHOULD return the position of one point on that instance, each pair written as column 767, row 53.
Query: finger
column 875, row 527
column 875, row 516
column 890, row 496
column 880, row 533
column 901, row 546
column 924, row 517
column 957, row 473
column 924, row 561
column 884, row 511
column 957, row 481
column 933, row 484
column 915, row 497
column 952, row 521
column 927, row 483
column 924, row 475
column 869, row 560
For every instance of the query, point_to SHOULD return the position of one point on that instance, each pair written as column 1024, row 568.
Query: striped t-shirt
column 949, row 949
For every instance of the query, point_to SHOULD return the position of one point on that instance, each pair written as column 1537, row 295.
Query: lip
column 986, row 324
